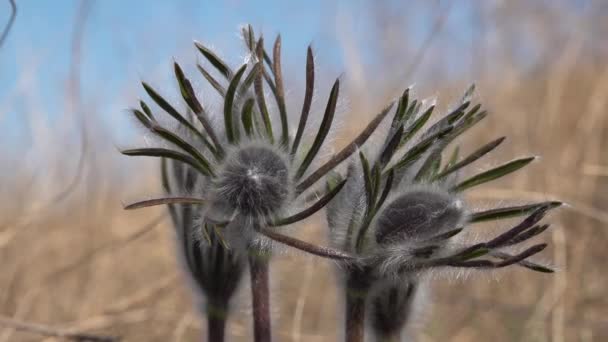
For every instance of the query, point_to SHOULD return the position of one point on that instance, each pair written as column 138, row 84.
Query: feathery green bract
column 217, row 62
column 416, row 126
column 165, row 200
column 169, row 154
column 185, row 88
column 181, row 143
column 247, row 116
column 417, row 150
column 328, row 117
column 509, row 212
column 248, row 81
column 214, row 83
column 146, row 109
column 388, row 185
column 176, row 115
column 312, row 209
column 494, row 173
column 232, row 132
column 482, row 151
column 402, row 107
column 345, row 152
column 391, row 147
column 145, row 120
column 367, row 179
column 310, row 83
column 259, row 92
column 280, row 92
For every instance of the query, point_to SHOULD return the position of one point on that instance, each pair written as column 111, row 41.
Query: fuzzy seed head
column 418, row 214
column 255, row 181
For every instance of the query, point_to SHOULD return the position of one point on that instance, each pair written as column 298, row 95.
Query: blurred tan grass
column 84, row 264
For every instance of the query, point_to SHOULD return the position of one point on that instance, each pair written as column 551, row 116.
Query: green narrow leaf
column 377, row 180
column 214, row 83
column 345, row 152
column 247, row 116
column 217, row 62
column 387, row 189
column 391, row 147
column 420, row 148
column 167, row 188
column 164, row 200
column 142, row 118
column 472, row 111
column 146, row 109
column 468, row 93
column 449, row 119
column 368, row 181
column 401, row 108
column 176, row 115
column 466, row 123
column 250, row 43
column 524, row 263
column 310, row 85
column 482, row 151
column 328, row 118
column 509, row 212
column 460, row 112
column 179, row 142
column 246, row 84
column 411, row 110
column 231, row 133
column 493, row 174
column 280, row 91
column 371, row 193
column 249, row 37
column 190, row 98
column 185, row 88
column 166, row 153
column 258, row 86
column 322, row 202
column 416, row 125
column 481, row 251
column 453, row 158
column 432, row 162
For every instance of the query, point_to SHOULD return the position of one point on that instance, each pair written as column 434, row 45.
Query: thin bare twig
column 111, row 246
column 422, row 51
column 11, row 20
column 48, row 331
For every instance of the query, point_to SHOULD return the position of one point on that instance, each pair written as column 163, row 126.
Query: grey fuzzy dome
column 418, row 214
column 255, row 181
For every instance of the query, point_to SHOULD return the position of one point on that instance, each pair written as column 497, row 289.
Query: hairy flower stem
column 258, row 269
column 217, row 313
column 356, row 295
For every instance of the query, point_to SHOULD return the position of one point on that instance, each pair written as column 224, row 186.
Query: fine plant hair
column 233, row 180
column 213, row 269
column 232, row 186
column 401, row 215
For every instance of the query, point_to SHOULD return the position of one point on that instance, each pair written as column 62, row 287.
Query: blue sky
column 127, row 41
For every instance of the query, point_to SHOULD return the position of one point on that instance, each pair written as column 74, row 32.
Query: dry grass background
column 71, row 257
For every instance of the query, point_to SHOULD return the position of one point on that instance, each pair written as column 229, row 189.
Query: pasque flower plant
column 403, row 215
column 232, row 186
column 233, row 179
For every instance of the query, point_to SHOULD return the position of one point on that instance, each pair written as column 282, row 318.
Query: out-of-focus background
column 70, row 257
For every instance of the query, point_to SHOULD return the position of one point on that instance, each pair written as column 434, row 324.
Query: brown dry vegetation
column 79, row 261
